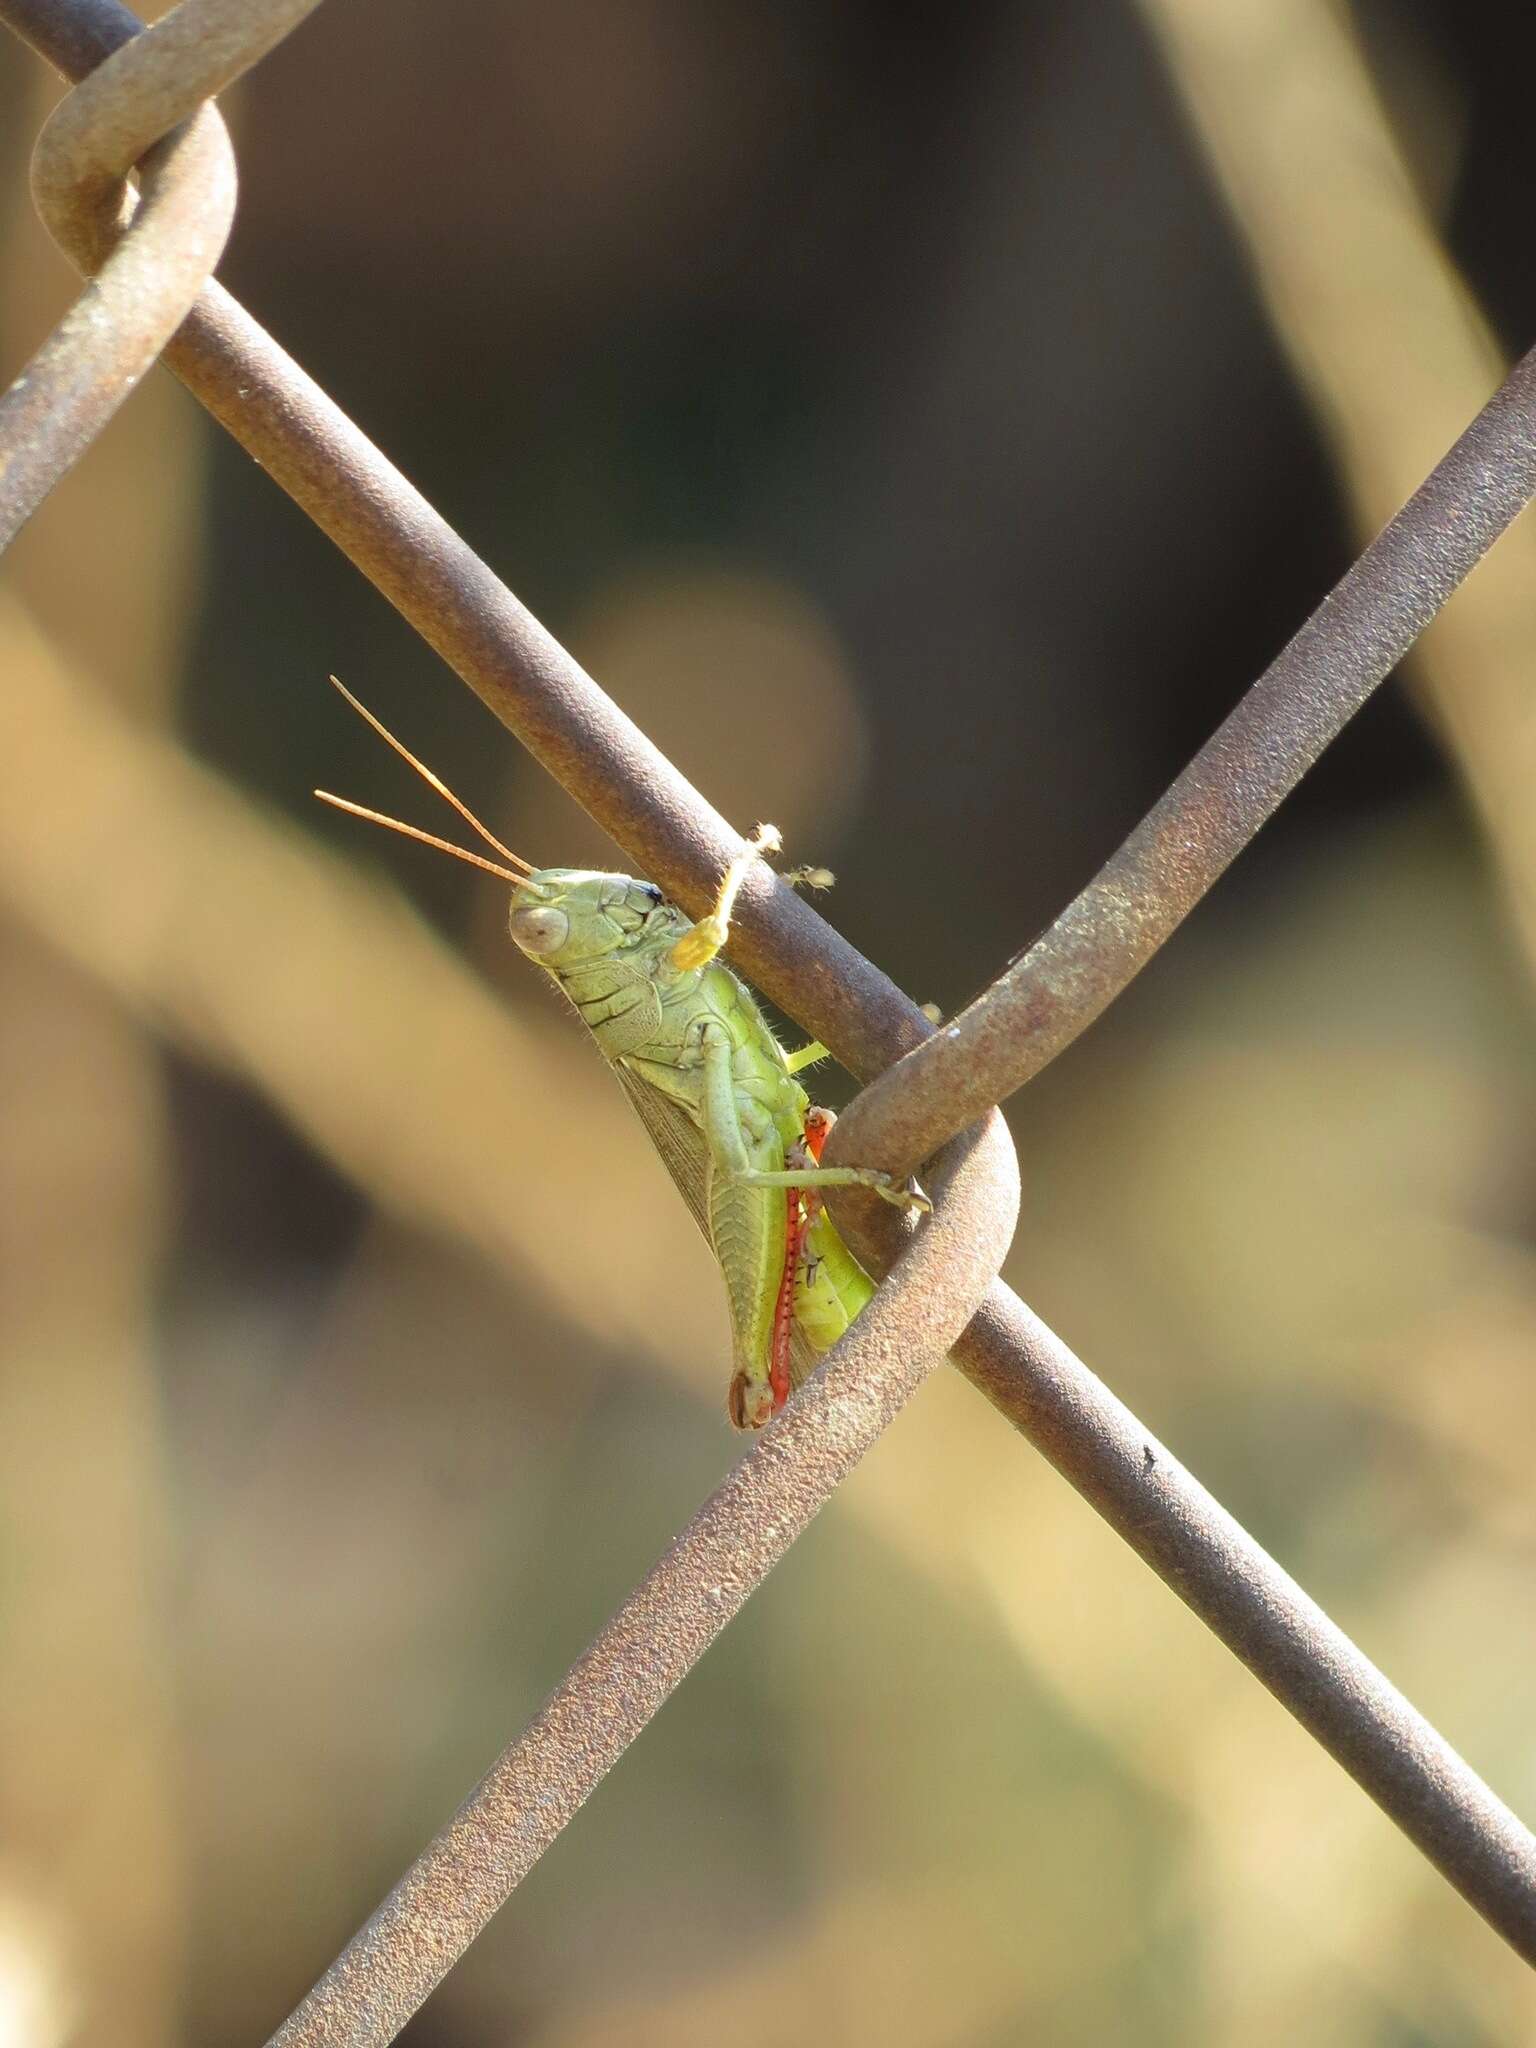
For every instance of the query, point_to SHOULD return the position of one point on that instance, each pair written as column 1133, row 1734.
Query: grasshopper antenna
column 436, row 782
column 476, row 860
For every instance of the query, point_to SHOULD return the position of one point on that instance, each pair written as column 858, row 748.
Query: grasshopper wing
column 743, row 1227
column 677, row 1138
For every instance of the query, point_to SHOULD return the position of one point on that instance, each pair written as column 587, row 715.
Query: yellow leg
column 702, row 941
column 808, row 1056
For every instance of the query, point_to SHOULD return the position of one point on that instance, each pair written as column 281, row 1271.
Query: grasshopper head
column 567, row 917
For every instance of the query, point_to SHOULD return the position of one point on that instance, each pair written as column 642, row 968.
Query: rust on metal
column 533, row 685
column 150, row 256
column 664, row 1627
column 1301, row 703
column 518, row 669
column 1238, row 1590
column 1257, row 1609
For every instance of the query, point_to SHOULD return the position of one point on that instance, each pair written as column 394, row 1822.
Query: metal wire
column 543, row 696
column 463, row 610
column 1187, row 841
column 149, row 88
column 661, row 1631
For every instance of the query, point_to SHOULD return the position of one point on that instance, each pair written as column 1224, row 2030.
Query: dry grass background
column 354, row 1355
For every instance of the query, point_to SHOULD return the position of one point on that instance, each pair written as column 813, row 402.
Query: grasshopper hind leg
column 752, row 1401
column 749, row 1403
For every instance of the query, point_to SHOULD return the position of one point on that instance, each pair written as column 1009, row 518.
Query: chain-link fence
column 929, row 1094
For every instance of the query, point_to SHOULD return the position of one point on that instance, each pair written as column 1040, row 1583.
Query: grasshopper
column 714, row 1088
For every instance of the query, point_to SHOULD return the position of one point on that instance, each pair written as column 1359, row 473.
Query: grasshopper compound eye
column 540, row 931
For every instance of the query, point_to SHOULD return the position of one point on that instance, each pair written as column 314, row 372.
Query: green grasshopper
column 714, row 1088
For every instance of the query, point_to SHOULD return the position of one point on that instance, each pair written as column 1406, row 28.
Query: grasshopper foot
column 749, row 1403
column 908, row 1196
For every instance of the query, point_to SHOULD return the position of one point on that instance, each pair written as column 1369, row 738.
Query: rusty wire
column 661, row 1631
column 142, row 105
column 1250, row 764
column 463, row 610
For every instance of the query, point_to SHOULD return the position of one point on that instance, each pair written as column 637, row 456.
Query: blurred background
column 925, row 422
